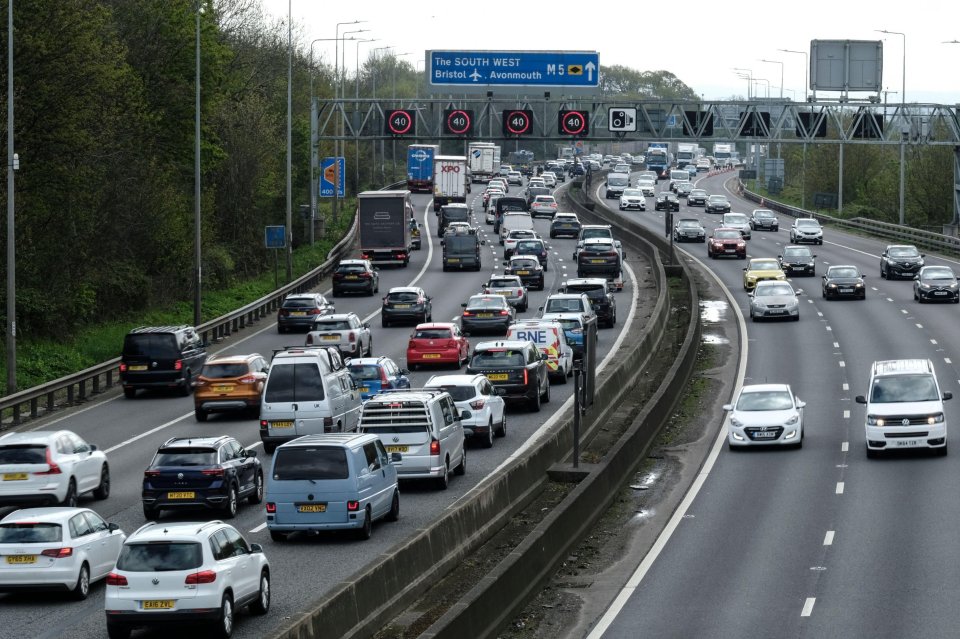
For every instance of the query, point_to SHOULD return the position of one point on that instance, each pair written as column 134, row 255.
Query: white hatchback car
column 475, row 393
column 765, row 415
column 185, row 572
column 50, row 467
column 56, row 548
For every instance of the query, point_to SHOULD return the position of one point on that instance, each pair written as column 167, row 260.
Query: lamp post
column 337, row 123
column 781, row 73
column 289, row 233
column 903, row 83
column 11, row 228
column 356, row 145
column 746, row 74
column 903, row 133
column 197, row 271
column 763, row 80
column 375, row 72
column 806, row 70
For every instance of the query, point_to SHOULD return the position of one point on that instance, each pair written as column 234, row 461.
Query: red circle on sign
column 455, row 115
column 574, row 130
column 406, row 117
column 522, row 117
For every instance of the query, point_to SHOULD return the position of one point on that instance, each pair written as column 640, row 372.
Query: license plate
column 431, row 356
column 182, row 495
column 19, row 560
column 501, row 292
column 312, row 508
column 401, row 306
column 299, row 313
column 796, row 268
column 597, row 261
column 397, row 449
column 163, row 604
column 523, row 272
column 484, row 315
column 331, row 338
column 138, row 367
column 223, row 388
column 906, row 443
column 364, row 389
column 281, row 424
column 498, row 377
column 14, row 476
column 939, row 292
column 776, row 312
column 846, row 290
column 729, row 250
column 352, row 277
column 767, row 434
column 453, row 259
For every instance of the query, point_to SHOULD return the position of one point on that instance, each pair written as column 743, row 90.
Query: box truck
column 450, row 180
column 484, row 160
column 420, row 167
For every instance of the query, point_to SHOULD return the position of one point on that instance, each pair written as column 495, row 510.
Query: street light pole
column 781, row 73
column 356, row 145
column 747, row 74
column 903, row 83
column 903, row 133
column 11, row 228
column 197, row 315
column 289, row 233
column 373, row 75
column 806, row 70
column 338, row 122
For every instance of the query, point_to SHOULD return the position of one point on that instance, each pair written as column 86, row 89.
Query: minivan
column 161, row 357
column 338, row 481
column 616, row 183
column 452, row 213
column 308, row 391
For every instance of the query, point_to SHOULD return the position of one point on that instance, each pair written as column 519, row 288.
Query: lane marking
column 846, row 386
column 828, row 538
column 808, row 606
column 839, row 488
column 843, row 364
column 947, row 360
column 258, row 528
column 836, row 344
column 934, row 342
column 919, row 325
column 845, row 447
column 846, row 414
column 146, row 433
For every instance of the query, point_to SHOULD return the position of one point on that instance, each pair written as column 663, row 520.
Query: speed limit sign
column 573, row 123
column 517, row 121
column 399, row 122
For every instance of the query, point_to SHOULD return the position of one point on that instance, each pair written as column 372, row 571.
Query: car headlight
column 873, row 420
column 736, row 422
column 832, row 285
column 935, row 419
column 794, row 419
column 952, row 286
column 925, row 287
column 859, row 285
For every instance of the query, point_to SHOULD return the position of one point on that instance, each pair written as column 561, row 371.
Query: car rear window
column 523, row 263
column 459, row 393
column 185, row 457
column 299, row 303
column 365, row 372
column 485, row 302
column 151, row 345
column 453, row 243
column 497, row 359
column 433, row 333
column 591, row 233
column 294, row 382
column 593, row 292
column 23, row 454
column 351, row 268
column 30, row 533
column 332, row 325
column 160, row 556
column 220, row 371
column 402, row 297
column 503, row 284
column 457, row 213
column 563, row 306
column 310, row 463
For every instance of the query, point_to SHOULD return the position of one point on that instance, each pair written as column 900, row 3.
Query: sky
column 699, row 42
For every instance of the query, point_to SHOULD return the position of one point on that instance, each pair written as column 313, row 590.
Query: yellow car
column 761, row 268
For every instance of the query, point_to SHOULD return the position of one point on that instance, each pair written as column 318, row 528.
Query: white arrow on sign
column 476, row 76
column 590, row 69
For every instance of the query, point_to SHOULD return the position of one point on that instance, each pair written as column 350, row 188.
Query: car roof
column 456, row 380
column 565, row 296
column 562, row 316
column 335, row 317
column 193, row 442
column 368, row 361
column 902, row 366
column 303, row 296
column 434, row 325
column 499, row 276
column 179, row 531
column 502, row 343
column 231, row 359
column 762, row 259
column 759, row 388
column 576, row 281
column 404, row 289
column 51, row 514
column 346, row 440
column 355, row 261
column 31, row 437
column 598, row 240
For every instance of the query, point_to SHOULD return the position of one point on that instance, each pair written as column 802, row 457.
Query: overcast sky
column 700, row 42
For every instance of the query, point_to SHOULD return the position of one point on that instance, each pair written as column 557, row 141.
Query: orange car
column 229, row 383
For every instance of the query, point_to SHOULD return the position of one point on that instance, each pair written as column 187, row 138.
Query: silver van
column 423, row 425
column 331, row 482
column 308, row 391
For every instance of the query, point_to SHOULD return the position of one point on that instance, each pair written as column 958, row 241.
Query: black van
column 452, row 213
column 461, row 250
column 161, row 357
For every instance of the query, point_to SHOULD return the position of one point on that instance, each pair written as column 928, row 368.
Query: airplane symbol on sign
column 476, row 76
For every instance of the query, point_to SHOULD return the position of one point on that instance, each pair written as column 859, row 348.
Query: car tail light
column 383, row 378
column 526, row 376
column 504, row 312
column 212, row 472
column 202, row 577
column 366, row 256
column 247, row 379
column 353, row 336
column 467, row 314
column 123, row 367
column 264, row 423
column 316, row 311
column 283, row 312
column 519, row 292
column 365, row 275
column 309, row 340
column 400, row 256
column 113, row 579
column 353, row 506
column 434, row 446
column 151, row 473
column 178, row 365
column 54, row 468
column 271, row 507
column 477, row 404
column 57, row 553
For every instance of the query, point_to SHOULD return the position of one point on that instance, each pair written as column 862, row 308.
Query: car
column 633, row 199
column 703, row 165
column 489, row 193
column 375, row 374
column 759, row 269
column 599, row 256
column 647, row 186
column 543, row 206
column 298, row 311
column 406, row 304
column 601, row 297
column 689, row 229
column 843, row 280
column 475, row 394
column 806, row 229
column 798, row 260
column 188, row 573
column 230, row 383
column 161, row 357
column 726, row 242
column 515, row 177
column 50, row 467
column 213, row 473
column 559, row 174
column 513, row 237
column 346, row 331
column 773, row 299
column 570, row 303
column 621, row 168
column 437, row 343
column 535, row 191
column 936, row 284
column 717, row 204
column 355, row 276
column 486, row 313
column 57, row 548
column 490, row 216
column 535, row 247
column 672, row 185
column 455, row 228
column 565, row 224
column 517, row 367
column 450, row 214
column 666, row 201
column 549, row 179
column 511, row 287
column 900, row 261
column 765, row 415
column 737, row 221
column 764, row 219
column 684, row 189
column 505, row 170
column 697, row 197
column 501, row 182
column 461, row 248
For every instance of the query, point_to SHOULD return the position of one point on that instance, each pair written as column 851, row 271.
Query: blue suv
column 374, row 374
column 201, row 472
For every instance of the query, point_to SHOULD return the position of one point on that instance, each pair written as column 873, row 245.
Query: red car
column 727, row 242
column 437, row 343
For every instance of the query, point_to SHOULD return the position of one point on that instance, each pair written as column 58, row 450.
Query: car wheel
column 488, row 440
column 103, row 490
column 394, row 514
column 129, row 393
column 82, row 588
column 115, row 631
column 546, row 394
column 883, row 273
column 262, row 604
column 257, row 496
column 278, row 536
column 223, row 626
column 230, row 508
column 187, row 386
column 411, row 367
column 70, row 499
column 461, row 468
column 151, row 514
column 200, row 415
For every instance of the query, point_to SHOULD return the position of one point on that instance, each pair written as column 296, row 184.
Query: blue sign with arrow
column 331, row 177
column 542, row 69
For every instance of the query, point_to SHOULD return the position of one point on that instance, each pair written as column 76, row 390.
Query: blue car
column 373, row 374
column 572, row 329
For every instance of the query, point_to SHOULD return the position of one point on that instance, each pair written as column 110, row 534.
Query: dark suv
column 517, row 367
column 355, row 276
column 161, row 357
column 461, row 249
column 300, row 309
column 201, row 472
column 601, row 297
column 406, row 304
column 900, row 260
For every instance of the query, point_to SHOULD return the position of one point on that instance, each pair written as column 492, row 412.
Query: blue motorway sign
column 275, row 237
column 579, row 69
column 331, row 176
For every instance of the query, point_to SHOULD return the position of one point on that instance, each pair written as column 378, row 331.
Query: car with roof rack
column 161, row 357
column 516, row 366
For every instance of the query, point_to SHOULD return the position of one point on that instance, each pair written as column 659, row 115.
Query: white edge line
column 258, row 528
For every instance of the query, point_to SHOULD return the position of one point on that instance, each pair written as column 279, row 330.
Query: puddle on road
column 643, row 514
column 713, row 311
column 713, row 339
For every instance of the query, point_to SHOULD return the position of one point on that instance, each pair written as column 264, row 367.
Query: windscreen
column 306, row 463
column 940, row 273
column 160, row 556
column 774, row 290
column 765, row 400
column 727, row 235
column 797, row 252
column 904, row 388
column 764, row 265
column 224, row 370
column 903, row 251
column 497, row 359
column 843, row 272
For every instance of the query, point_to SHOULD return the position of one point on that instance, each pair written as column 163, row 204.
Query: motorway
column 305, row 568
column 818, row 542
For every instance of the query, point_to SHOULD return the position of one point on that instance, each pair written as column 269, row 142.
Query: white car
column 48, row 467
column 633, row 199
column 543, row 205
column 515, row 177
column 647, row 186
column 346, row 331
column 490, row 216
column 806, row 229
column 475, row 393
column 188, row 572
column 549, row 179
column 56, row 548
column 536, row 181
column 765, row 414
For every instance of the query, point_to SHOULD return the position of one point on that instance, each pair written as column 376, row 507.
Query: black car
column 666, row 201
column 528, row 269
column 161, row 357
column 536, row 248
column 684, row 189
column 406, row 304
column 764, row 219
column 355, row 276
column 599, row 257
column 461, row 249
column 697, row 197
column 201, row 472
column 600, row 295
column 451, row 213
column 798, row 260
column 564, row 224
column 485, row 313
column 689, row 230
column 717, row 204
column 519, row 368
column 300, row 309
column 843, row 281
column 936, row 284
column 900, row 260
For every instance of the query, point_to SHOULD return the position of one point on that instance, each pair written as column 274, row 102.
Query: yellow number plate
column 299, row 313
column 281, row 424
column 21, row 559
column 223, row 388
column 163, row 604
column 523, row 272
column 182, row 495
column 402, row 306
column 431, row 356
column 139, row 367
column 14, row 476
column 597, row 261
column 498, row 377
column 312, row 508
column 397, row 449
column 352, row 277
column 331, row 338
column 364, row 389
column 453, row 259
column 484, row 315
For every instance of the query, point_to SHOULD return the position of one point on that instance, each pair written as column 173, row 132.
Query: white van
column 515, row 221
column 551, row 341
column 308, row 391
column 615, row 184
column 680, row 175
column 904, row 407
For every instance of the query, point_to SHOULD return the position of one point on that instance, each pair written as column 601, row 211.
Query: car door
column 87, row 469
column 85, row 543
column 350, row 401
column 246, row 577
column 373, row 484
column 453, row 431
column 105, row 545
column 193, row 352
column 495, row 401
column 244, row 467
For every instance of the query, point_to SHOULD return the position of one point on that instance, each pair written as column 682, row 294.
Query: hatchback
column 666, row 201
column 229, row 383
column 842, row 280
column 536, row 248
column 737, row 221
column 300, row 309
column 346, row 331
column 936, row 284
column 511, row 287
column 373, row 374
column 474, row 394
column 543, row 205
column 357, row 276
column 406, row 304
column 486, row 313
column 765, row 415
column 437, row 343
column 565, row 224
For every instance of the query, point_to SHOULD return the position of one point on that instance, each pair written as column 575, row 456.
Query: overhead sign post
column 331, row 177
column 512, row 71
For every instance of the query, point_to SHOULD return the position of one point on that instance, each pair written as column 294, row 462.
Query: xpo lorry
column 420, row 167
column 484, row 160
column 383, row 226
column 451, row 182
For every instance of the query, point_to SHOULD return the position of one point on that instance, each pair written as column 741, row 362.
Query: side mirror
column 860, row 399
column 465, row 414
column 505, row 263
column 779, row 257
column 404, row 371
column 540, row 308
column 497, row 390
column 728, row 407
column 93, row 447
column 256, row 548
column 366, row 324
column 814, row 254
column 801, row 404
column 947, row 395
column 113, row 527
column 396, row 458
column 916, row 278
column 463, row 305
column 250, row 453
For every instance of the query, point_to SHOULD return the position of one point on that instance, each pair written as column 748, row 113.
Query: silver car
column 765, row 415
column 511, row 287
column 774, row 299
column 806, row 229
column 345, row 331
column 737, row 221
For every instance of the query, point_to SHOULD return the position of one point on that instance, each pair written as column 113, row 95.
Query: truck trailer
column 420, row 167
column 383, row 226
column 451, row 182
column 484, row 160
